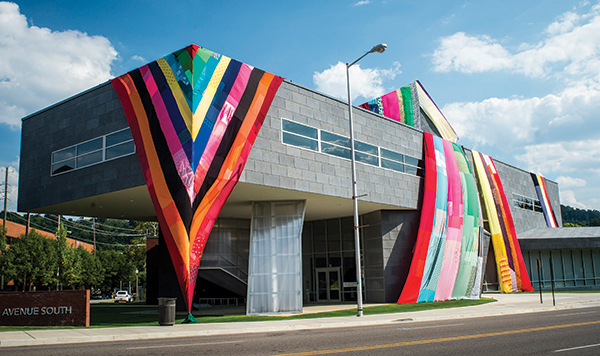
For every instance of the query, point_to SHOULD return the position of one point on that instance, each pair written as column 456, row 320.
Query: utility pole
column 5, row 196
column 94, row 230
column 28, row 224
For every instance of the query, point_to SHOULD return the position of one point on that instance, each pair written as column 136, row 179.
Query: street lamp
column 137, row 295
column 380, row 48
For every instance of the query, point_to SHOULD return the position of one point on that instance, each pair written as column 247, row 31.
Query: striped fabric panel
column 542, row 193
column 193, row 144
column 412, row 286
column 523, row 282
column 396, row 105
column 494, row 224
column 467, row 271
column 435, row 254
column 509, row 258
column 495, row 184
column 454, row 230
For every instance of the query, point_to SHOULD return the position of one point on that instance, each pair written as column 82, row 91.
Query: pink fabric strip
column 179, row 157
column 221, row 123
column 391, row 106
column 452, row 248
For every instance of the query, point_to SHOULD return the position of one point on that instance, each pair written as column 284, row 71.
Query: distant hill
column 579, row 217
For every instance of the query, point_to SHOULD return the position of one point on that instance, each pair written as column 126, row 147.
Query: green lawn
column 105, row 315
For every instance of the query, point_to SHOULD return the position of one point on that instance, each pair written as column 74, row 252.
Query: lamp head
column 380, row 48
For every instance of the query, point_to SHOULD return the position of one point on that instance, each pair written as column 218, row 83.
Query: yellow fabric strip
column 158, row 180
column 208, row 95
column 401, row 106
column 182, row 104
column 233, row 155
column 492, row 215
column 435, row 115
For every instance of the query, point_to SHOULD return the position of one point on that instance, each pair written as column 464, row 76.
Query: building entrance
column 328, row 281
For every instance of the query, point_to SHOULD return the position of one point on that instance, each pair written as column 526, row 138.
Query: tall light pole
column 5, row 196
column 380, row 48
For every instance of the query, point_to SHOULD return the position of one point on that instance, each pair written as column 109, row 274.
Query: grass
column 105, row 315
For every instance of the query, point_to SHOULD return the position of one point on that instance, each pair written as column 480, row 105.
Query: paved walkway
column 507, row 304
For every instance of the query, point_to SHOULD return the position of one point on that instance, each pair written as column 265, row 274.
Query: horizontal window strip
column 307, row 137
column 97, row 150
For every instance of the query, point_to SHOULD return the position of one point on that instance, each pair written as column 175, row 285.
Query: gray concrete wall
column 374, row 281
column 398, row 233
column 273, row 163
column 516, row 180
column 86, row 116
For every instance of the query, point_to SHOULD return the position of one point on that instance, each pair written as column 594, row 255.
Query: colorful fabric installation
column 397, row 105
column 467, row 284
column 194, row 116
column 542, row 193
column 435, row 114
column 435, row 254
column 412, row 286
column 445, row 257
column 454, row 230
column 512, row 274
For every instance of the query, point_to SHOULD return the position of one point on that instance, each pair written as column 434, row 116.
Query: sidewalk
column 506, row 304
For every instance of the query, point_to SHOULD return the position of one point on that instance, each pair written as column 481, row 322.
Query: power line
column 79, row 226
column 112, row 236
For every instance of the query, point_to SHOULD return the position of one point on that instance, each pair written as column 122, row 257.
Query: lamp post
column 380, row 48
column 137, row 295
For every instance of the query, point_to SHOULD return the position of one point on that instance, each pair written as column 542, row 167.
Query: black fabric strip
column 230, row 135
column 169, row 170
column 497, row 199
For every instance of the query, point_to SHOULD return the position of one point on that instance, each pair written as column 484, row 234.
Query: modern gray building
column 78, row 158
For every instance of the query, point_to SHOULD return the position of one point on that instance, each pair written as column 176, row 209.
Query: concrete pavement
column 506, row 304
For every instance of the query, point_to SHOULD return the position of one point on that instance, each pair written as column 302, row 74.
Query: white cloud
column 469, row 54
column 367, row 82
column 362, row 2
column 13, row 185
column 566, row 182
column 567, row 197
column 513, row 122
column 572, row 46
column 556, row 135
column 581, row 157
column 39, row 66
column 139, row 58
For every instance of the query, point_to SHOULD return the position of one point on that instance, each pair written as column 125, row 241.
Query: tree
column 136, row 255
column 2, row 255
column 92, row 271
column 68, row 267
column 30, row 261
column 116, row 269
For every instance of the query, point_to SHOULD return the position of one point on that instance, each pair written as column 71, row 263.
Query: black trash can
column 166, row 311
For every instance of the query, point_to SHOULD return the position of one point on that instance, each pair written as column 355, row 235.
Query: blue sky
column 518, row 80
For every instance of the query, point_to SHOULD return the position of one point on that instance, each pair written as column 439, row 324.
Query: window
column 527, row 203
column 307, row 137
column 299, row 135
column 104, row 148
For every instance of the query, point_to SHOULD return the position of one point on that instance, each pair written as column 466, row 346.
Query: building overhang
column 135, row 204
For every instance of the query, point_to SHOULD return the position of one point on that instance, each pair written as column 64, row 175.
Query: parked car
column 123, row 296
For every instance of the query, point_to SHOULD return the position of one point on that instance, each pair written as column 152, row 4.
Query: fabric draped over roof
column 398, row 105
column 194, row 116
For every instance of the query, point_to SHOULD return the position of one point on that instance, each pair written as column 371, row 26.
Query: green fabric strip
column 408, row 106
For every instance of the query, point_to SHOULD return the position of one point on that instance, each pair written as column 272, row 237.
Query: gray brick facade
column 390, row 204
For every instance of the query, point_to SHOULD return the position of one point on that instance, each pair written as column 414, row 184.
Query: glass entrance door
column 328, row 280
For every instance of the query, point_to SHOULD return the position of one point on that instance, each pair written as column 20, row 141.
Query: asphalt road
column 561, row 332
